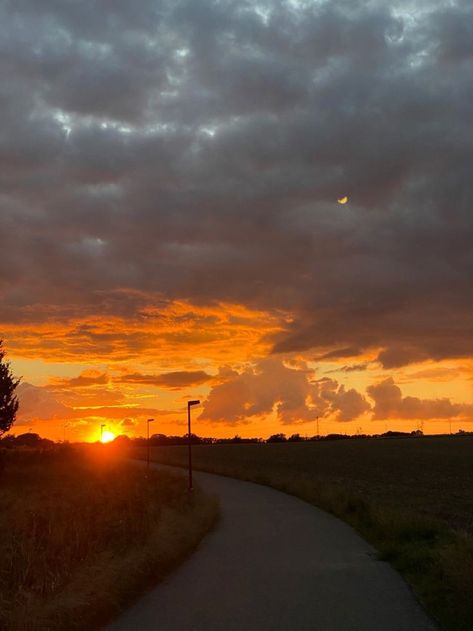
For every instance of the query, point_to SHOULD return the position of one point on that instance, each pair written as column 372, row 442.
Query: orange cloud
column 128, row 422
column 442, row 374
column 159, row 330
column 390, row 404
column 37, row 403
column 85, row 379
column 96, row 397
column 289, row 390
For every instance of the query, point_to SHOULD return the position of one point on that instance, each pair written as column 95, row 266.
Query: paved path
column 275, row 563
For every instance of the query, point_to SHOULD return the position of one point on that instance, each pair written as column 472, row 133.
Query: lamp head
column 189, row 403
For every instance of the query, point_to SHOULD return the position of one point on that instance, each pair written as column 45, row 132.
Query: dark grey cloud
column 352, row 368
column 195, row 150
column 84, row 380
column 173, row 380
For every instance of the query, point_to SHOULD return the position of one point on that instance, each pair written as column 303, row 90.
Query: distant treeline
column 31, row 439
column 162, row 439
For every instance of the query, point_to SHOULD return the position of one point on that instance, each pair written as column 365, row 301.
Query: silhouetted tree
column 236, row 440
column 31, row 439
column 334, row 437
column 122, row 438
column 8, row 399
column 393, row 434
column 277, row 438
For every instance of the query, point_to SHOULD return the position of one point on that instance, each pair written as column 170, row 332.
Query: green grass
column 83, row 533
column 411, row 498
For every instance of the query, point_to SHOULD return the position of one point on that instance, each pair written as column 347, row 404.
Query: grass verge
column 83, row 533
column 435, row 559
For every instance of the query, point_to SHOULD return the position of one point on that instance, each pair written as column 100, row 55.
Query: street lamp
column 101, row 432
column 150, row 420
column 189, row 441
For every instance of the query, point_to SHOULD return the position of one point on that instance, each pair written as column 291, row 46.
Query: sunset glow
column 107, row 436
column 170, row 203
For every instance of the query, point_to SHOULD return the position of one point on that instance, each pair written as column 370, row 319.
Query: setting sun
column 107, row 437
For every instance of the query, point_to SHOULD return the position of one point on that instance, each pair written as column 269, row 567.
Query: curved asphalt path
column 276, row 563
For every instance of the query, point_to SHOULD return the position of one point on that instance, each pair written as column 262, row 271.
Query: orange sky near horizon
column 80, row 374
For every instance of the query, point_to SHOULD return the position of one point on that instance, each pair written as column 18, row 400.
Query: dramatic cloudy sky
column 169, row 176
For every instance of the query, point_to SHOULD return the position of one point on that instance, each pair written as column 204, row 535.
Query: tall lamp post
column 189, row 440
column 150, row 420
column 101, row 432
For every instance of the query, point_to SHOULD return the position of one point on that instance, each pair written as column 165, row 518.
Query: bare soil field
column 429, row 476
column 411, row 497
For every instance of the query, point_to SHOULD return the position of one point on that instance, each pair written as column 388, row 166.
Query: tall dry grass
column 82, row 532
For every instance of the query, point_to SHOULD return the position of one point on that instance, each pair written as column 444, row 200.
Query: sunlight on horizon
column 107, row 437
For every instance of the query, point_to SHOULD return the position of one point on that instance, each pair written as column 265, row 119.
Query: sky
column 169, row 177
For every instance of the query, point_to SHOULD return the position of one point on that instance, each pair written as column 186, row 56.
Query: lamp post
column 150, row 420
column 189, row 441
column 101, row 432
